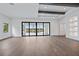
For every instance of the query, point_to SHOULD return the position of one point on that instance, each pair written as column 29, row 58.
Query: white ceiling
column 30, row 10
column 54, row 16
column 19, row 9
column 54, row 8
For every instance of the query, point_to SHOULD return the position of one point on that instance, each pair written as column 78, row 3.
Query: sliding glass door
column 40, row 29
column 35, row 28
column 46, row 29
column 25, row 29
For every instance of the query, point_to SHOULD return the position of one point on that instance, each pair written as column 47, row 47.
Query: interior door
column 62, row 29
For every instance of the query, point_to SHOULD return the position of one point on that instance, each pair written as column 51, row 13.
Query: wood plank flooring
column 39, row 46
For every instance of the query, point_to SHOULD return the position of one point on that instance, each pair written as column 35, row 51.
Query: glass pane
column 46, row 28
column 74, row 29
column 25, row 28
column 73, row 19
column 32, row 28
column 39, row 28
column 73, row 34
column 73, row 24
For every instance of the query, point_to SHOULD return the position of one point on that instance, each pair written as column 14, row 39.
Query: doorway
column 35, row 28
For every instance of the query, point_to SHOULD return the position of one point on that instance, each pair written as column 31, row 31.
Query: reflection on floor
column 39, row 46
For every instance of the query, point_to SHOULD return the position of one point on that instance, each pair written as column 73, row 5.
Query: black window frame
column 36, row 29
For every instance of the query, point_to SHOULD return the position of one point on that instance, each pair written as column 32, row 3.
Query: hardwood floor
column 39, row 46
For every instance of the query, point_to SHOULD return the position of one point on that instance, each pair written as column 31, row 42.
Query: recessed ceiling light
column 11, row 3
column 64, row 8
column 45, row 7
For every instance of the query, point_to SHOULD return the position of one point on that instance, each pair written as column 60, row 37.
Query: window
column 35, row 28
column 73, row 26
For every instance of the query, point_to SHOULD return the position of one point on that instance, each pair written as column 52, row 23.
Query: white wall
column 69, row 14
column 16, row 25
column 62, row 26
column 20, row 11
column 4, row 19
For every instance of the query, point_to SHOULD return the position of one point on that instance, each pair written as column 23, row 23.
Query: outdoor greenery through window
column 35, row 28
